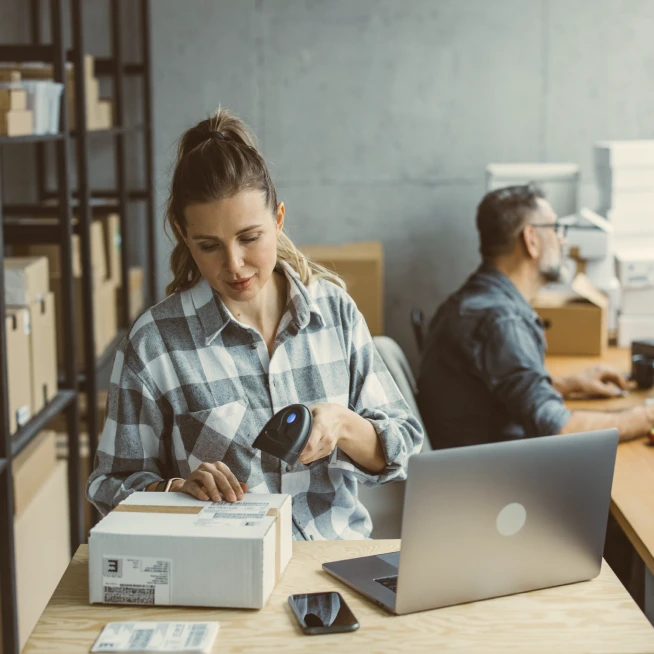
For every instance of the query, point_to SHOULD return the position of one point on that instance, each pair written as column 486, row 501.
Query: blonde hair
column 217, row 159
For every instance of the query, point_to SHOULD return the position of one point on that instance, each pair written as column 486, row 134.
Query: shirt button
column 289, row 468
column 253, row 346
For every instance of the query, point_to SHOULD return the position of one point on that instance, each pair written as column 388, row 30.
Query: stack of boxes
column 31, row 338
column 15, row 118
column 105, row 263
column 40, row 507
column 99, row 112
column 625, row 175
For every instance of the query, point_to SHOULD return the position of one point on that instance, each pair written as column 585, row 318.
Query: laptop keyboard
column 388, row 582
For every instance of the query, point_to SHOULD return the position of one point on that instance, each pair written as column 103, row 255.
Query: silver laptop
column 492, row 520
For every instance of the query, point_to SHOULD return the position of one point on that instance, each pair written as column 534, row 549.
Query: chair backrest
column 384, row 503
column 397, row 364
column 419, row 327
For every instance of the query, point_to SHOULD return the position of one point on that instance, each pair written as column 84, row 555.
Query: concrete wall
column 378, row 117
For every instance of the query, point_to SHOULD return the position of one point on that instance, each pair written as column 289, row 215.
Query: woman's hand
column 328, row 427
column 212, row 481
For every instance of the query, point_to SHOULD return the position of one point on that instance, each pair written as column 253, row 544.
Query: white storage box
column 634, row 328
column 171, row 549
column 625, row 179
column 590, row 235
column 638, row 302
column 635, row 264
column 637, row 201
column 627, row 154
column 632, row 223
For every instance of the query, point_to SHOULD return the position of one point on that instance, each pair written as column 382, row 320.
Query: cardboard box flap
column 585, row 289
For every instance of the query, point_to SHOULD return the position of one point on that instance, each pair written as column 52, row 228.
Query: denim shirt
column 482, row 376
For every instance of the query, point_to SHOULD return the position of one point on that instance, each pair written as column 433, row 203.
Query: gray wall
column 378, row 117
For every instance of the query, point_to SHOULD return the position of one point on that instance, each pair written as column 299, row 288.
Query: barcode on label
column 141, row 639
column 129, row 594
column 197, row 634
column 234, row 516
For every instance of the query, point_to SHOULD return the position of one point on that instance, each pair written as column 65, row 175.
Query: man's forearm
column 631, row 423
column 565, row 385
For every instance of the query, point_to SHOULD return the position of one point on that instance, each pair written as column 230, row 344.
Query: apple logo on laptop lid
column 511, row 519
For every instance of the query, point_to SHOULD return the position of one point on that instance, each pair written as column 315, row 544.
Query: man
column 482, row 376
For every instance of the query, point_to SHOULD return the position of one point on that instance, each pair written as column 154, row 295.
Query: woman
column 249, row 326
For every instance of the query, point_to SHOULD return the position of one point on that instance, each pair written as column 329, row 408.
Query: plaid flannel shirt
column 191, row 384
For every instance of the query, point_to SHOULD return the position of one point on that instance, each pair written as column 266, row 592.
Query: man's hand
column 600, row 381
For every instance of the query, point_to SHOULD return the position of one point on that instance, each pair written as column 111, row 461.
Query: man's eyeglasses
column 560, row 228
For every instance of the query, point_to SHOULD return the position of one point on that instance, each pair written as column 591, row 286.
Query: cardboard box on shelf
column 104, row 115
column 53, row 253
column 361, row 265
column 107, row 295
column 43, row 352
column 135, row 295
column 18, row 370
column 26, row 280
column 193, row 553
column 9, row 74
column 13, row 99
column 575, row 320
column 634, row 328
column 31, row 466
column 112, row 245
column 40, row 561
column 16, row 122
column 98, row 316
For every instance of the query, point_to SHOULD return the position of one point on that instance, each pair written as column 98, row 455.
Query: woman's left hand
column 328, row 426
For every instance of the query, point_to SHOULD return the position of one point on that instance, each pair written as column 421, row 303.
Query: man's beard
column 556, row 273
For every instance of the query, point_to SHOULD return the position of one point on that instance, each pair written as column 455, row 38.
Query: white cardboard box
column 637, row 201
column 638, row 301
column 590, row 235
column 634, row 328
column 628, row 154
column 632, row 223
column 635, row 264
column 171, row 549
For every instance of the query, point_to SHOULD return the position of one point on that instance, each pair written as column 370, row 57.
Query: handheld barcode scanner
column 286, row 433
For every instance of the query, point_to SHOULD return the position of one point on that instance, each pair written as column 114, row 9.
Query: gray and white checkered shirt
column 191, row 384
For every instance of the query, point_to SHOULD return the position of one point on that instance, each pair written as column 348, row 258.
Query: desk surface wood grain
column 595, row 616
column 632, row 497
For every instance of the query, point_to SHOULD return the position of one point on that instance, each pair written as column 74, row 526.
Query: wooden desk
column 632, row 495
column 595, row 616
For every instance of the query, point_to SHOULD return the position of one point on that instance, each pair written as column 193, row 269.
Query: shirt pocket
column 210, row 435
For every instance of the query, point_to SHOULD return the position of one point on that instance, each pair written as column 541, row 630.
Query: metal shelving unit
column 55, row 224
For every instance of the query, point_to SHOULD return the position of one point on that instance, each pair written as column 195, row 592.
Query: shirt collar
column 500, row 281
column 214, row 315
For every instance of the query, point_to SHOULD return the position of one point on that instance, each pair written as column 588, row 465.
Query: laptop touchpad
column 393, row 558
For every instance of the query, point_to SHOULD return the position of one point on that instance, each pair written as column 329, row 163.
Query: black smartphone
column 323, row 613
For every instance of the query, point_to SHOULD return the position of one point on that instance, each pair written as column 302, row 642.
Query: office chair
column 384, row 503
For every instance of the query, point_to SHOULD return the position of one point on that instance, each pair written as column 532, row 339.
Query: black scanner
column 286, row 433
